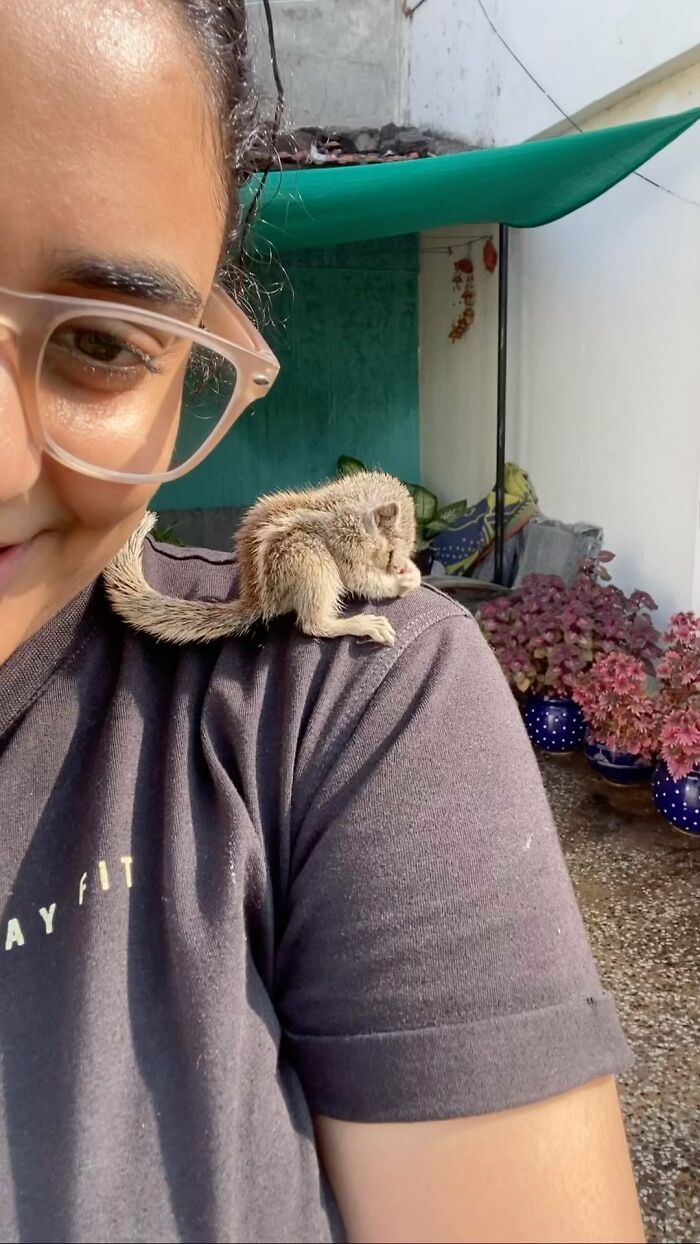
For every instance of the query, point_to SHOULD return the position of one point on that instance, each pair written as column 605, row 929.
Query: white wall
column 461, row 80
column 339, row 59
column 604, row 366
column 457, row 380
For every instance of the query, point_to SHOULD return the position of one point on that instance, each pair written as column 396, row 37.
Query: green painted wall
column 346, row 334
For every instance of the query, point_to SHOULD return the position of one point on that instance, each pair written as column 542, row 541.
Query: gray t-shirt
column 251, row 881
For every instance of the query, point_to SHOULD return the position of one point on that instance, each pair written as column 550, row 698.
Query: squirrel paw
column 377, row 629
column 408, row 580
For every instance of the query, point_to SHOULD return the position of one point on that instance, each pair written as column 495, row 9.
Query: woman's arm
column 558, row 1170
column 433, row 965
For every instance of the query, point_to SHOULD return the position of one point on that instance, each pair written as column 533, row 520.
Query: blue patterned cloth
column 466, row 537
column 469, row 537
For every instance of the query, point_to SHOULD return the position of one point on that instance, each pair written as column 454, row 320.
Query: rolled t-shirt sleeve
column 432, row 961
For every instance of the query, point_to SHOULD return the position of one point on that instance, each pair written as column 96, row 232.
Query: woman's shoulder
column 189, row 573
column 427, row 922
column 205, row 574
column 309, row 695
column 289, row 693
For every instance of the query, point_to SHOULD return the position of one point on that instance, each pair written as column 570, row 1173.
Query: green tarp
column 527, row 185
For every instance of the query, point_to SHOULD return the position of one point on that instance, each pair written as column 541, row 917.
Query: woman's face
column 109, row 166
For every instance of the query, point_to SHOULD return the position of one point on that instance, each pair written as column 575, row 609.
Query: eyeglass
column 127, row 395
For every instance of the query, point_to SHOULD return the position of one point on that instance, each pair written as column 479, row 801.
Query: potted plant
column 431, row 519
column 676, row 784
column 621, row 718
column 546, row 634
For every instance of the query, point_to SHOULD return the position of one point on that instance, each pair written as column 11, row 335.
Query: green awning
column 523, row 186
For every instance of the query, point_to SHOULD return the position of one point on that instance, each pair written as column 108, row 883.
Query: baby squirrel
column 297, row 552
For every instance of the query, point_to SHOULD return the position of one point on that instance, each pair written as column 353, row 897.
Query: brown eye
column 100, row 347
column 101, row 355
column 390, row 561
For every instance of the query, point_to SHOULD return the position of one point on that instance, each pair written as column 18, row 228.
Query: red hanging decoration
column 490, row 256
column 463, row 281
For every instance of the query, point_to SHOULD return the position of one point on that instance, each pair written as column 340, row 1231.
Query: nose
column 20, row 457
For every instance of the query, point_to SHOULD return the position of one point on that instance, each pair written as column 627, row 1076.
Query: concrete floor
column 638, row 884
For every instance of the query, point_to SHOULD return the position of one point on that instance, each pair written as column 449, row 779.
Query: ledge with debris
column 335, row 147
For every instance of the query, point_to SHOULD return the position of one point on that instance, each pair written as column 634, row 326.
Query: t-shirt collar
column 29, row 669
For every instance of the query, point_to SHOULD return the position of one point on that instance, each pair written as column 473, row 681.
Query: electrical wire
column 279, row 102
column 277, row 120
column 449, row 247
column 642, row 176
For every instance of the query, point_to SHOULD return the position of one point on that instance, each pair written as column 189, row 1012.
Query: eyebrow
column 148, row 282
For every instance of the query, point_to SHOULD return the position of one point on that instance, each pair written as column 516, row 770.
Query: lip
column 11, row 558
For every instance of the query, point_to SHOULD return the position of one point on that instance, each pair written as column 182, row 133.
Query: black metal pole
column 501, row 403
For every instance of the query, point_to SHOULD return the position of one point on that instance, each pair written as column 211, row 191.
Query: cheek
column 134, row 430
column 95, row 505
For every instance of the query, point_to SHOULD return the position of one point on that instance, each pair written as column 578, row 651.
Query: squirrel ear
column 382, row 516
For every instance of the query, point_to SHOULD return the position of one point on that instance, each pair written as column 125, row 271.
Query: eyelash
column 153, row 366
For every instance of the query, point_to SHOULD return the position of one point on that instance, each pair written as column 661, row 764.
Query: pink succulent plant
column 680, row 741
column 679, row 696
column 679, row 668
column 624, row 713
column 591, row 642
column 547, row 634
column 616, row 702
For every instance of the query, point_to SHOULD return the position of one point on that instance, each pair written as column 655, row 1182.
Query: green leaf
column 454, row 510
column 434, row 528
column 350, row 466
column 425, row 502
column 166, row 535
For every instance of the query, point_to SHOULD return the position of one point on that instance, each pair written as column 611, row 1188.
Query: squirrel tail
column 167, row 617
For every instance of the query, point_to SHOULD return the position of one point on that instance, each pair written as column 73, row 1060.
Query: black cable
column 277, row 120
column 279, row 105
column 642, row 176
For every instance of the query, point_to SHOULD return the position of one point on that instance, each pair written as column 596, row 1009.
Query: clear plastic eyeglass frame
column 32, row 319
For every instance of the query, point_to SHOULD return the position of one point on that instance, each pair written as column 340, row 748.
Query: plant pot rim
column 618, row 751
column 550, row 699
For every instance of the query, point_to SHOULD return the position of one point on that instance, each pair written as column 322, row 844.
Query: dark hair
column 221, row 33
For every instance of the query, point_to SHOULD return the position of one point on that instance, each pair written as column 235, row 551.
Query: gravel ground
column 638, row 884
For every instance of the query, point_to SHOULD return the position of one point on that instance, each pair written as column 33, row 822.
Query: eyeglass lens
column 127, row 396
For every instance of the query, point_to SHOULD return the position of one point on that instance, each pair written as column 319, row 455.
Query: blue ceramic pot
column 678, row 801
column 620, row 768
column 554, row 725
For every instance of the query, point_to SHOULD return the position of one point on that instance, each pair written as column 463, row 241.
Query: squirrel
column 296, row 552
